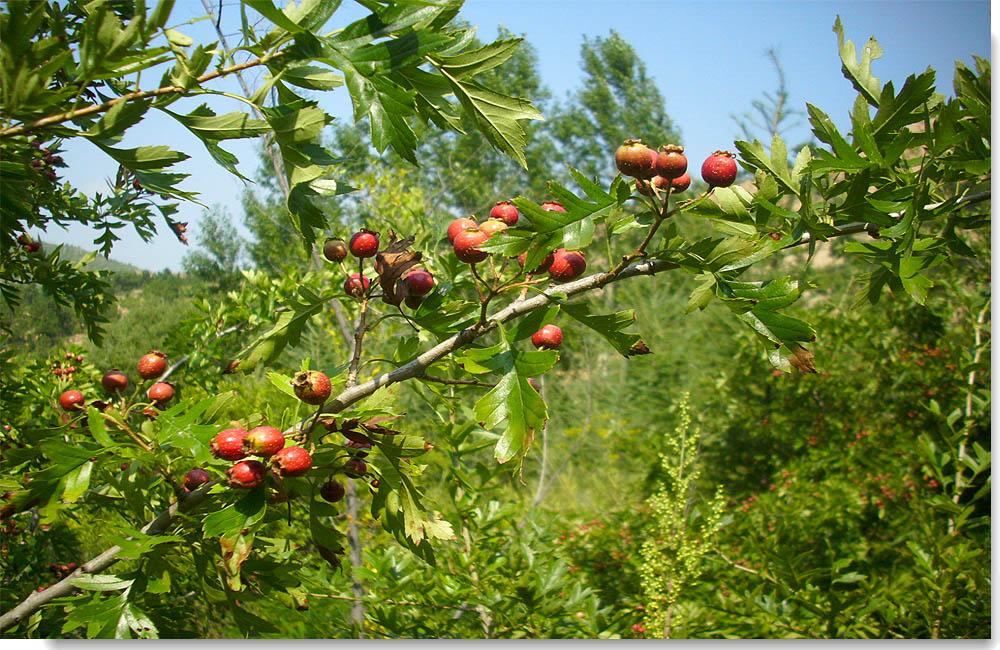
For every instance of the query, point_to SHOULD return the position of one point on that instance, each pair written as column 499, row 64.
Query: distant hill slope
column 74, row 253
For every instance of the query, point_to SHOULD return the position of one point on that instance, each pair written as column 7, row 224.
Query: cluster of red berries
column 45, row 161
column 62, row 570
column 668, row 166
column 466, row 236
column 365, row 244
column 65, row 371
column 114, row 381
column 264, row 442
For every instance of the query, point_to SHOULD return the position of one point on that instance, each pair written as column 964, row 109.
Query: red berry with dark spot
column 492, row 226
column 671, row 161
column 246, row 474
column 364, row 243
column 311, row 386
column 334, row 250
column 681, row 183
column 567, row 265
column 458, row 225
column 542, row 267
column 506, row 212
column 547, row 338
column 633, row 158
column 196, row 478
column 332, row 491
column 161, row 392
column 419, row 281
column 355, row 467
column 263, row 441
column 114, row 381
column 71, row 400
column 466, row 243
column 291, row 461
column 228, row 444
column 719, row 169
column 553, row 206
column 152, row 364
column 356, row 285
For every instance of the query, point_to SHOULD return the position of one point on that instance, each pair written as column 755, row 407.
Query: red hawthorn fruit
column 541, row 268
column 161, row 392
column 114, row 381
column 681, row 183
column 419, row 281
column 152, row 364
column 334, row 250
column 291, row 461
column 137, row 185
column 263, row 441
column 195, row 478
column 68, row 355
column 311, row 386
column 671, row 161
column 355, row 467
column 466, row 243
column 553, row 206
column 505, row 211
column 364, row 243
column 414, row 302
column 719, row 169
column 356, row 285
column 246, row 474
column 547, row 338
column 79, row 358
column 71, row 400
column 567, row 265
column 658, row 182
column 228, row 444
column 633, row 158
column 332, row 491
column 458, row 225
column 492, row 226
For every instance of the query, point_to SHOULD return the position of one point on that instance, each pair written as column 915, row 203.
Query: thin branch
column 64, row 587
column 141, row 94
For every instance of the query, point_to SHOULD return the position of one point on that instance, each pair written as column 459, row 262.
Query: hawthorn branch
column 64, row 587
column 94, row 109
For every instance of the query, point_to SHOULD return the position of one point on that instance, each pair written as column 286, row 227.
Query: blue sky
column 708, row 60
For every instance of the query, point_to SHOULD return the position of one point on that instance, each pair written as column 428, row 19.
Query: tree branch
column 140, row 94
column 64, row 587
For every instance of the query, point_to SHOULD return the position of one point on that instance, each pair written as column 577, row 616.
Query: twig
column 142, row 94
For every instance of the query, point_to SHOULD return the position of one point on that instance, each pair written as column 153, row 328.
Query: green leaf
column 99, row 582
column 287, row 331
column 154, row 157
column 609, row 326
column 204, row 123
column 97, row 427
column 513, row 403
column 859, row 73
column 312, row 77
column 496, row 116
column 469, row 64
column 702, row 293
column 244, row 513
column 117, row 119
column 77, row 482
